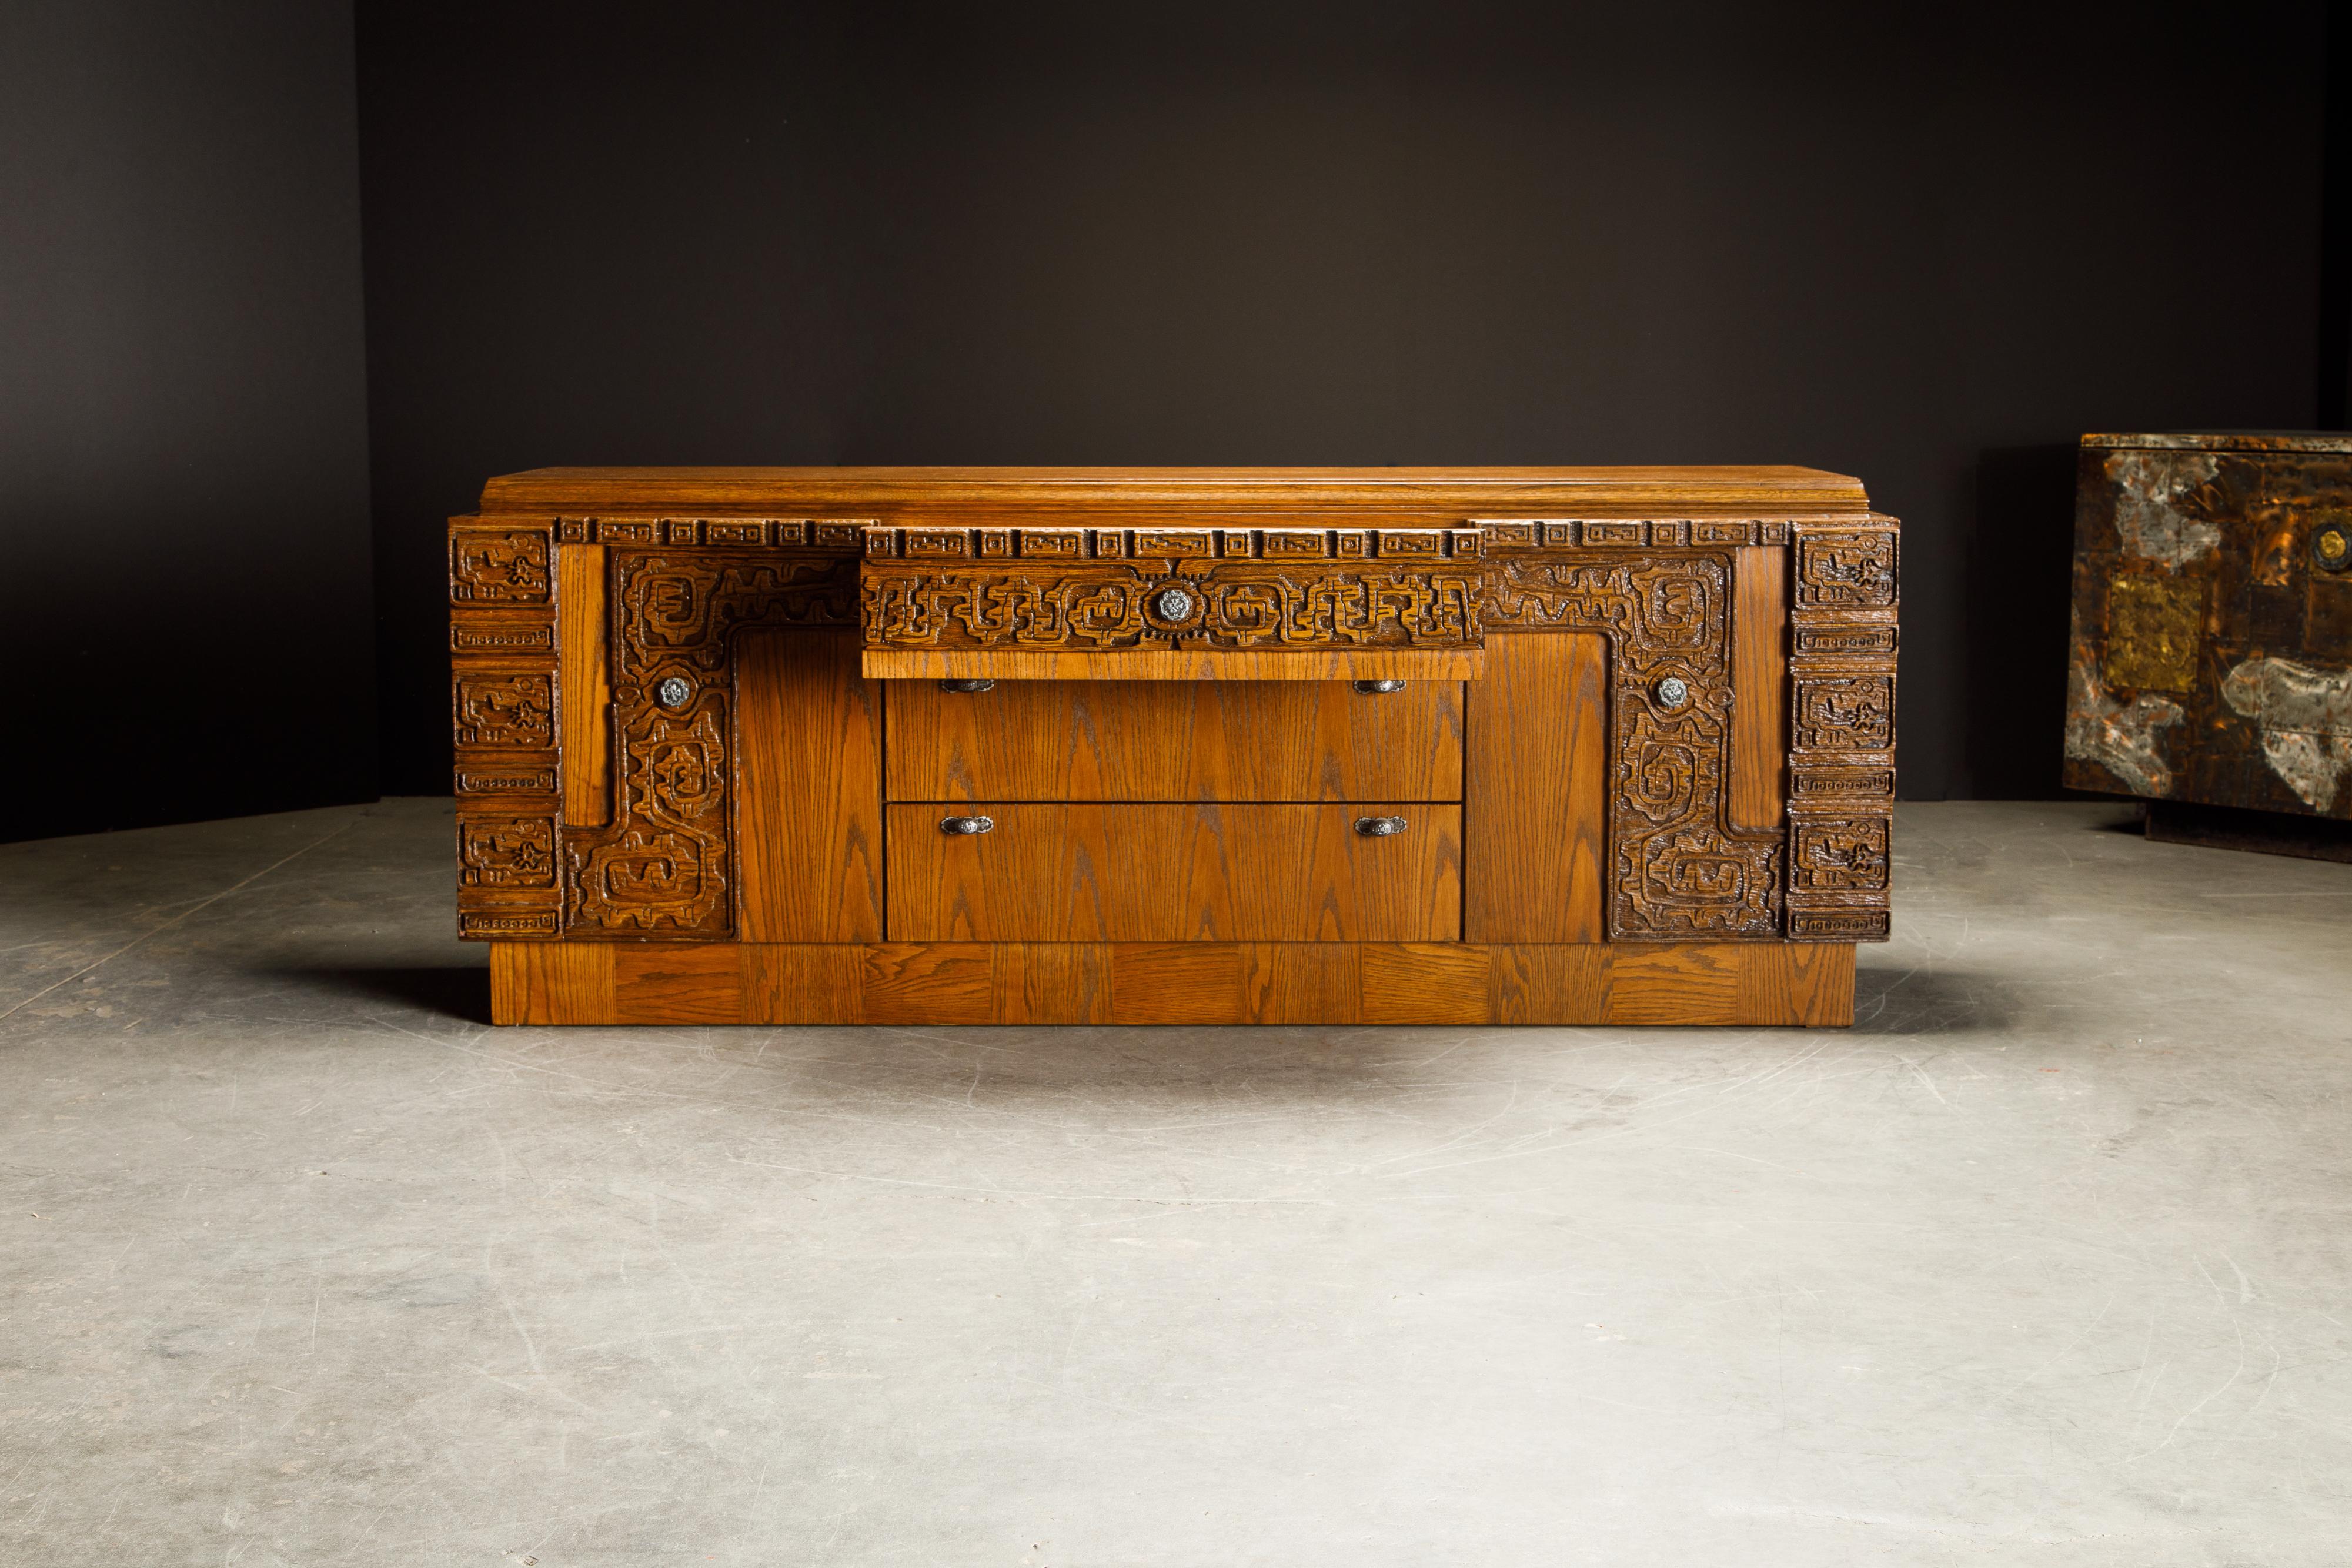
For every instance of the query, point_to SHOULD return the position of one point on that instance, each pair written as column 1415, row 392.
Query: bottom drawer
column 1175, row 873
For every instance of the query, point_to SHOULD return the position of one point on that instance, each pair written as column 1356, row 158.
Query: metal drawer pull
column 1369, row 686
column 967, row 685
column 1379, row 827
column 966, row 824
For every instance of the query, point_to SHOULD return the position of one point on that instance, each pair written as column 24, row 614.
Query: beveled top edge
column 839, row 489
column 2229, row 441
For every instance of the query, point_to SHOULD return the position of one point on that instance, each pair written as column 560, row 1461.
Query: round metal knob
column 1380, row 686
column 674, row 692
column 2331, row 547
column 1173, row 603
column 1672, row 692
column 1380, row 827
column 966, row 824
column 967, row 685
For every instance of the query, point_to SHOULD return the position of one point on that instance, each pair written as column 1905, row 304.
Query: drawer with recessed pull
column 973, row 739
column 1028, row 872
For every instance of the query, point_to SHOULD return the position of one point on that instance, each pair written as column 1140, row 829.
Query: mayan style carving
column 1099, row 589
column 1841, row 730
column 1552, row 535
column 1840, row 570
column 508, row 568
column 506, row 851
column 1846, row 713
column 661, row 866
column 505, row 707
column 1680, row 870
column 1109, row 606
column 1220, row 719
column 503, row 700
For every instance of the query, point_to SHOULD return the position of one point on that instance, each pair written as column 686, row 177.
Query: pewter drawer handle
column 1368, row 687
column 966, row 824
column 1379, row 827
column 967, row 685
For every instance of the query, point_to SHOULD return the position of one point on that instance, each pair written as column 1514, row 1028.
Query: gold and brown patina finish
column 2211, row 656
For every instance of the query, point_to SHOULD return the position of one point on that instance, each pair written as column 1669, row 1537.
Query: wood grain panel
column 676, row 982
column 1423, row 983
column 1759, row 688
column 1671, row 983
column 1176, row 874
column 1174, row 665
column 1527, row 983
column 550, row 982
column 583, row 676
column 781, row 984
column 808, row 801
column 919, row 983
column 1813, row 981
column 1536, row 790
column 1195, row 983
column 1175, row 740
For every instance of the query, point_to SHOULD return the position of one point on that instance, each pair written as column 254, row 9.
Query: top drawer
column 1132, row 603
column 1175, row 740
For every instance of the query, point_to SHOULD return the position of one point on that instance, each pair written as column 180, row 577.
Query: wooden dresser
column 961, row 745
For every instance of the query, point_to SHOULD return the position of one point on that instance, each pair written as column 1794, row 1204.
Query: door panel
column 808, row 798
column 1537, row 808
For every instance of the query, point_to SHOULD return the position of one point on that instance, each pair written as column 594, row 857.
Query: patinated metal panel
column 2212, row 639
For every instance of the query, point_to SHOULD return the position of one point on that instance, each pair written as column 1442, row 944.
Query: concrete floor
column 2047, row 1261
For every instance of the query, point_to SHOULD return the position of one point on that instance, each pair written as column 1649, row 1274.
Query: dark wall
column 1928, row 246
column 184, row 594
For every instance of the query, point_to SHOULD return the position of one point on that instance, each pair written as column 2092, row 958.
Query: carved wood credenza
column 1173, row 745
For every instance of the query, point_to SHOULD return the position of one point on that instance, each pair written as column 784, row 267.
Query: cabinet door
column 1537, row 794
column 808, row 795
column 1175, row 873
column 1176, row 740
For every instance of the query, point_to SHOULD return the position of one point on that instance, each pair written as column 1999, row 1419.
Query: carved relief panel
column 1841, row 730
column 502, row 699
column 662, row 867
column 1679, row 870
column 1100, row 589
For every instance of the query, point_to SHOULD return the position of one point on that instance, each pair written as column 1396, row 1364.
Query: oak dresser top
column 1685, row 491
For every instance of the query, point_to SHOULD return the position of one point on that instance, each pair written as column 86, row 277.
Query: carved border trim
column 1630, row 533
column 1842, row 640
column 1174, row 543
column 828, row 534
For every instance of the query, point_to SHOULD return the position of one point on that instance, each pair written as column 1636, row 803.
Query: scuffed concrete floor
column 2047, row 1261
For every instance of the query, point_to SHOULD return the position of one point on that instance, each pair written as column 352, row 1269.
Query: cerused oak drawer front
column 988, row 872
column 1175, row 740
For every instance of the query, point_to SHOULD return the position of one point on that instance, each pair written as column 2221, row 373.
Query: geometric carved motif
column 506, row 851
column 503, row 707
column 661, row 866
column 1832, row 853
column 503, row 702
column 1845, row 570
column 1851, row 712
column 507, row 567
column 1226, row 605
column 1841, row 730
column 1679, row 870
